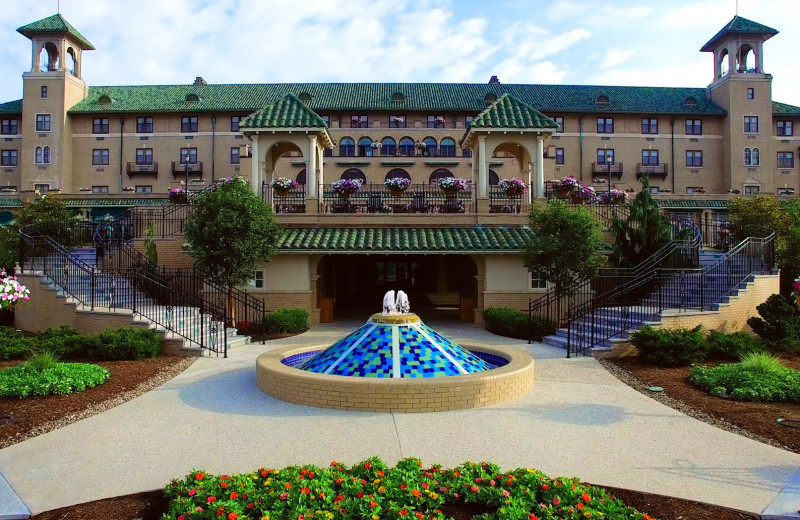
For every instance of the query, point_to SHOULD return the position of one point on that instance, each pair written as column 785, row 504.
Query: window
column 347, row 147
column 430, row 146
column 327, row 119
column 605, row 156
column 649, row 157
column 42, row 122
column 436, row 121
column 468, row 121
column 751, row 157
column 538, row 283
column 466, row 152
column 397, row 122
column 605, row 125
column 41, row 188
column 752, row 190
column 694, row 127
column 100, row 125
column 38, row 155
column 560, row 122
column 234, row 155
column 144, row 188
column 751, row 94
column 191, row 153
column 235, row 120
column 100, row 157
column 692, row 190
column 359, row 122
column 257, row 282
column 785, row 159
column 751, row 124
column 388, row 146
column 8, row 158
column 99, row 189
column 785, row 128
column 448, row 148
column 649, row 125
column 144, row 156
column 188, row 124
column 407, row 146
column 144, row 125
column 559, row 156
column 694, row 158
column 786, row 192
column 10, row 127
column 365, row 147
column 43, row 91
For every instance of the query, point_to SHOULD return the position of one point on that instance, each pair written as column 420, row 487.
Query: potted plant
column 614, row 197
column 582, row 194
column 12, row 293
column 564, row 187
column 346, row 187
column 282, row 186
column 512, row 187
column 178, row 195
column 452, row 185
column 126, row 188
column 397, row 185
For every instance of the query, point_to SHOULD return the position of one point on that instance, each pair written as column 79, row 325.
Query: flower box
column 346, row 187
column 453, row 185
column 513, row 187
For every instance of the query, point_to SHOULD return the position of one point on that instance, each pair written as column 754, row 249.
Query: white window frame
column 541, row 284
column 259, row 275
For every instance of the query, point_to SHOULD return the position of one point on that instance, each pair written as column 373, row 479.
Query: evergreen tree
column 643, row 233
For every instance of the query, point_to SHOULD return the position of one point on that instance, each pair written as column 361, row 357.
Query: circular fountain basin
column 395, row 364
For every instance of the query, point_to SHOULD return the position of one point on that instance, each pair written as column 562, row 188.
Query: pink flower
column 505, row 493
column 192, row 492
column 556, row 501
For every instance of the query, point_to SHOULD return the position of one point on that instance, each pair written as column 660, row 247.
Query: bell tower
column 741, row 87
column 50, row 89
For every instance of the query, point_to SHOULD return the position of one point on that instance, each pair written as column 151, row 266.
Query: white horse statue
column 402, row 304
column 388, row 303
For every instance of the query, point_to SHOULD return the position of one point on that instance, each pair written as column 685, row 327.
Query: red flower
column 556, row 501
column 545, row 487
column 419, row 463
column 334, row 463
column 305, row 490
column 234, row 495
column 492, row 482
column 474, row 488
column 338, row 498
column 287, row 486
column 360, row 494
column 251, row 505
column 367, row 466
column 199, row 476
column 262, row 472
column 403, row 512
column 372, row 504
column 233, row 516
column 425, row 485
column 224, row 477
column 311, row 474
column 416, row 493
column 192, row 492
column 509, row 482
column 403, row 486
column 457, row 474
column 339, row 480
column 581, row 506
column 224, row 485
column 586, row 498
column 304, row 471
column 380, row 472
column 182, row 517
column 418, row 514
column 283, row 496
column 211, row 499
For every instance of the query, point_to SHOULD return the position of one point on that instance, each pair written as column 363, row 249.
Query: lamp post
column 186, row 159
column 609, row 161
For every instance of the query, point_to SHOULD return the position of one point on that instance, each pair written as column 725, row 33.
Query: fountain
column 394, row 362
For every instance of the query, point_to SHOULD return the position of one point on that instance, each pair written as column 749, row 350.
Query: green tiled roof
column 508, row 112
column 287, row 112
column 738, row 25
column 55, row 24
column 692, row 203
column 393, row 240
column 469, row 97
column 10, row 203
column 11, row 107
column 782, row 109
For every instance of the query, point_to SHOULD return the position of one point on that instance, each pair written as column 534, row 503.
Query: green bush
column 125, row 344
column 734, row 345
column 42, row 361
column 13, row 345
column 759, row 377
column 670, row 348
column 286, row 321
column 64, row 342
column 60, row 378
column 779, row 324
column 511, row 323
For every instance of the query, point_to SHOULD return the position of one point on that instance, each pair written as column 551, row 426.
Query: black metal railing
column 501, row 202
column 284, row 201
column 417, row 198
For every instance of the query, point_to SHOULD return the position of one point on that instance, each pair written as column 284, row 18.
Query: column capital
column 482, row 138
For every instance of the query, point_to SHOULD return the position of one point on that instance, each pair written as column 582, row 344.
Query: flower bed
column 59, row 378
column 758, row 377
column 371, row 490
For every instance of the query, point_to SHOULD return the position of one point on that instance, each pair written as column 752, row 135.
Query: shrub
column 779, row 324
column 64, row 342
column 60, row 378
column 670, row 348
column 13, row 345
column 759, row 377
column 42, row 361
column 125, row 344
column 734, row 345
column 370, row 489
column 282, row 321
column 511, row 323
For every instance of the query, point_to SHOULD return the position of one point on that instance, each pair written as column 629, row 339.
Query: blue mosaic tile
column 298, row 359
column 326, row 358
column 495, row 361
column 470, row 362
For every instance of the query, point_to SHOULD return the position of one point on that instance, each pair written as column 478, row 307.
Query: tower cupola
column 738, row 47
column 57, row 45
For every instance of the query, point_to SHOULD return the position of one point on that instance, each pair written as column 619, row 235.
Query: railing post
column 93, row 287
column 702, row 290
column 134, row 291
column 569, row 337
column 530, row 317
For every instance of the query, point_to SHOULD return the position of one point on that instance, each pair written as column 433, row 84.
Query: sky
column 586, row 42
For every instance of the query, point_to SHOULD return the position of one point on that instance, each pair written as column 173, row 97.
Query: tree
column 229, row 232
column 150, row 250
column 565, row 247
column 788, row 248
column 44, row 209
column 643, row 233
column 9, row 247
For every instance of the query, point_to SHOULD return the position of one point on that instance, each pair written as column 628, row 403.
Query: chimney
column 494, row 81
column 199, row 82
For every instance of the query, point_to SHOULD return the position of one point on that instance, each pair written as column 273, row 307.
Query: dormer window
column 690, row 102
column 601, row 99
column 488, row 99
column 398, row 100
column 305, row 98
column 104, row 100
column 192, row 99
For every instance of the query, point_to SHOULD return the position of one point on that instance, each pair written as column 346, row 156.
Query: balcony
column 616, row 168
column 652, row 169
column 180, row 168
column 142, row 169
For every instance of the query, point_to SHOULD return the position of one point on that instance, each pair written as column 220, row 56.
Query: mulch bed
column 753, row 419
column 153, row 504
column 21, row 419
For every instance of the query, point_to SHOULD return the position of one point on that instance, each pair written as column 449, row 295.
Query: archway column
column 255, row 166
column 311, row 168
column 483, row 169
column 539, row 180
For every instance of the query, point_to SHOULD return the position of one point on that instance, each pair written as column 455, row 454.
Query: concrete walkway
column 578, row 421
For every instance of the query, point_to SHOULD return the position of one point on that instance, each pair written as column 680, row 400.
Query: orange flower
column 380, row 473
column 287, row 486
column 403, row 512
column 418, row 514
column 305, row 490
column 234, row 495
column 372, row 504
column 199, row 476
column 233, row 516
column 581, row 506
column 416, row 493
column 545, row 487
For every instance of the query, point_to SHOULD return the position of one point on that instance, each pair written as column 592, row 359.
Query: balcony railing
column 289, row 201
column 144, row 169
column 616, row 168
column 417, row 198
column 180, row 167
column 652, row 169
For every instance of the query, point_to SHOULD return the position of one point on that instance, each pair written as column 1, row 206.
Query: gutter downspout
column 121, row 128
column 580, row 142
column 213, row 142
column 672, row 129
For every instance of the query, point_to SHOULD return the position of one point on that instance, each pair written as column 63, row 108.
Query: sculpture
column 388, row 303
column 402, row 304
column 392, row 305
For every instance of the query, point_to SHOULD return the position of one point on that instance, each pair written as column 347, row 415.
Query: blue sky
column 619, row 42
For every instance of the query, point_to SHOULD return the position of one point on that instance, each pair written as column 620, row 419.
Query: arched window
column 407, row 146
column 494, row 179
column 755, row 158
column 601, row 99
column 448, row 147
column 388, row 146
column 748, row 157
column 104, row 100
column 46, row 158
column 301, row 177
column 430, row 146
column 745, row 61
column 398, row 100
column 354, row 174
column 347, row 147
column 440, row 173
column 488, row 99
column 71, row 61
column 48, row 58
column 192, row 99
column 305, row 98
column 397, row 173
column 723, row 63
column 365, row 147
column 37, row 155
column 690, row 102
